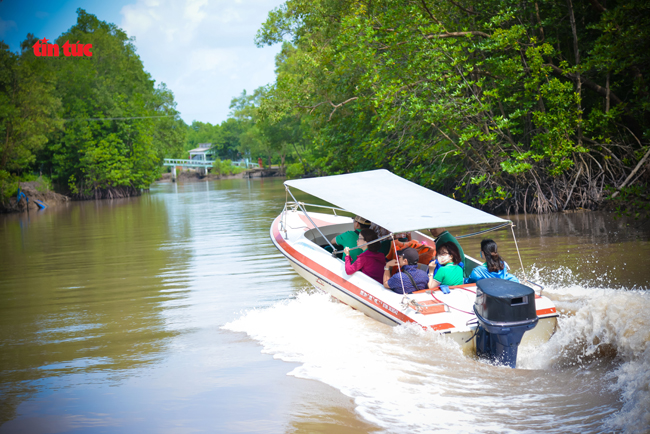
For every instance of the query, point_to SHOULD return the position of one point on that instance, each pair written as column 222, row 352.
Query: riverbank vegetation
column 96, row 126
column 511, row 106
column 281, row 140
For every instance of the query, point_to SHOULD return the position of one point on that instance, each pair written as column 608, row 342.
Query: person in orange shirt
column 426, row 252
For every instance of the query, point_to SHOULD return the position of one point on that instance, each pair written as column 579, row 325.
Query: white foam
column 406, row 380
column 603, row 322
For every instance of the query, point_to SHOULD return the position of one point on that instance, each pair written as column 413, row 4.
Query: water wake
column 607, row 325
column 592, row 376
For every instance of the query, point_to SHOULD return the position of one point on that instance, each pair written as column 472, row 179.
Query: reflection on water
column 111, row 311
column 148, row 313
column 592, row 248
column 80, row 293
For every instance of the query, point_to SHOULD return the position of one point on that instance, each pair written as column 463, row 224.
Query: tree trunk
column 607, row 97
column 282, row 157
column 577, row 56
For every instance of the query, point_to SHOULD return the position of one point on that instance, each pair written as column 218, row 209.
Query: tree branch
column 313, row 107
column 590, row 84
column 462, row 8
column 572, row 188
column 457, row 34
column 426, row 8
column 336, row 106
column 636, row 169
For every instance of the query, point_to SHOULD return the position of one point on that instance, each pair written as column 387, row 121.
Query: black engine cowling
column 505, row 311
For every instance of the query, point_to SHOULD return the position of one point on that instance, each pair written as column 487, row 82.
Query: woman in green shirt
column 450, row 273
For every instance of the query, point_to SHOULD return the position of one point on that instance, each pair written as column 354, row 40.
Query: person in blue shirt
column 494, row 266
column 411, row 278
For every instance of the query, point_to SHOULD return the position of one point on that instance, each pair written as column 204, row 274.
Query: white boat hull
column 451, row 314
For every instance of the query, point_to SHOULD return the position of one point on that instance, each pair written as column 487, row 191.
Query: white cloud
column 203, row 50
column 211, row 59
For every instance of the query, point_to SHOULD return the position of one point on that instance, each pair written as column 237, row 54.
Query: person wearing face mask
column 371, row 262
column 493, row 267
column 443, row 236
column 449, row 273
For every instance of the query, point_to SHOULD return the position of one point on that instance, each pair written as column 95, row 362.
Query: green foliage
column 28, row 108
column 49, row 106
column 295, row 170
column 91, row 156
column 43, row 183
column 225, row 138
column 8, row 186
column 486, row 100
column 280, row 137
column 633, row 201
column 226, row 168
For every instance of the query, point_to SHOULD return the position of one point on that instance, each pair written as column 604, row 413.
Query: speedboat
column 302, row 233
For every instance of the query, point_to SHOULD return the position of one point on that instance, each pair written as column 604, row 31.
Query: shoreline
column 35, row 191
column 38, row 191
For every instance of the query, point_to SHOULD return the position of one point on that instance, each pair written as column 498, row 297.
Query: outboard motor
column 505, row 311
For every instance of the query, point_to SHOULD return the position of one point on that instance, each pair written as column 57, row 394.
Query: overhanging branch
column 590, row 84
column 457, row 34
column 336, row 106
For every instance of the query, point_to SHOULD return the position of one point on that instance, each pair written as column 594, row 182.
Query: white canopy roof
column 392, row 202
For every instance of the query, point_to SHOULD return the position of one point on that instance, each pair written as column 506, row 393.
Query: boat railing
column 301, row 205
column 295, row 206
column 495, row 228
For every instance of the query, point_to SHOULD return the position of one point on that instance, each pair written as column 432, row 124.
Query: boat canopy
column 392, row 202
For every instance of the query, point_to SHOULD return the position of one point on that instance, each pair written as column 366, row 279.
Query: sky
column 203, row 50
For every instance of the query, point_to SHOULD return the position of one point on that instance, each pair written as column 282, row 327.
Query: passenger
column 425, row 252
column 349, row 238
column 442, row 236
column 449, row 273
column 493, row 267
column 371, row 262
column 410, row 278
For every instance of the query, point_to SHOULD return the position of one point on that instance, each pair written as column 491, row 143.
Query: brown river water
column 174, row 313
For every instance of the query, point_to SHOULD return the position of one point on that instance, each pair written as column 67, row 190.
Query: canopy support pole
column 460, row 237
column 283, row 221
column 310, row 220
column 367, row 244
column 523, row 270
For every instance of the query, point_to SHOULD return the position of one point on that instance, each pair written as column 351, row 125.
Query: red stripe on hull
column 546, row 311
column 335, row 278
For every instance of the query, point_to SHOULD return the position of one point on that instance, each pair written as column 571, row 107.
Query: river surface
column 174, row 313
